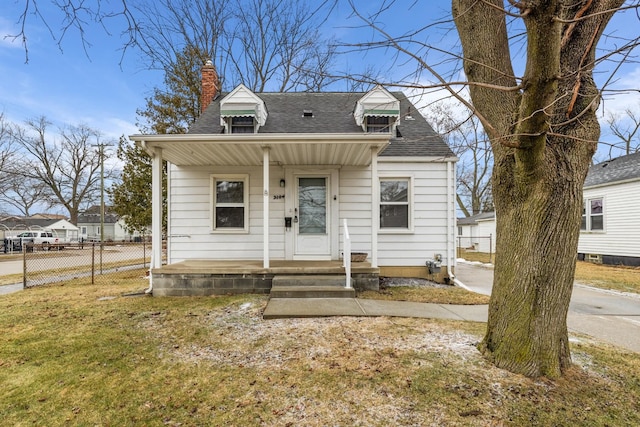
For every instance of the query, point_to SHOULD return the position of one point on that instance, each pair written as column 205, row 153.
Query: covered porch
column 224, row 277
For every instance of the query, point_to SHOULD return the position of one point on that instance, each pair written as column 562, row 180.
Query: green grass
column 70, row 356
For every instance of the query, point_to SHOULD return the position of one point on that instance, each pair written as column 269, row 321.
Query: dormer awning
column 378, row 102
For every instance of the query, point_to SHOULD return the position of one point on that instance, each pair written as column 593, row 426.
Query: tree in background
column 264, row 44
column 175, row 107
column 23, row 193
column 626, row 127
column 7, row 152
column 131, row 195
column 463, row 132
column 68, row 167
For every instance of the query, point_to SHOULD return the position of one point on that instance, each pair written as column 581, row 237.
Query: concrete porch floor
column 256, row 267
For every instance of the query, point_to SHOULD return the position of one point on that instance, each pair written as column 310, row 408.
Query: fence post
column 144, row 253
column 93, row 262
column 24, row 265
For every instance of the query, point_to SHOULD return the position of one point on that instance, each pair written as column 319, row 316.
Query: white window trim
column 587, row 205
column 388, row 230
column 212, row 205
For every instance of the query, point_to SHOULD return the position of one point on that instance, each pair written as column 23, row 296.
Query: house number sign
column 278, row 196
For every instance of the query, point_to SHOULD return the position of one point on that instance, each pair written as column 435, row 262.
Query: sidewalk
column 9, row 289
column 281, row 308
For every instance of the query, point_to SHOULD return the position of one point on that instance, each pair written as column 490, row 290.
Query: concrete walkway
column 279, row 308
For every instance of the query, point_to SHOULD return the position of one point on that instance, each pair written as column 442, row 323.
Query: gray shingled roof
column 473, row 220
column 618, row 169
column 333, row 113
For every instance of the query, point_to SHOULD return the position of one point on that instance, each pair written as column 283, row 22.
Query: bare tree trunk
column 543, row 133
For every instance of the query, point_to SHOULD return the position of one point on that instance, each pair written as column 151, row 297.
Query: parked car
column 44, row 238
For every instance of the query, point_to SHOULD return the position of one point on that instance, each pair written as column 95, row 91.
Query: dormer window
column 378, row 124
column 377, row 111
column 242, row 124
column 242, row 111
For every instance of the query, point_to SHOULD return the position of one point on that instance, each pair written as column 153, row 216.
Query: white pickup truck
column 44, row 238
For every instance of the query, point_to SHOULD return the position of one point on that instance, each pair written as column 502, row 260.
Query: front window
column 230, row 202
column 242, row 124
column 378, row 124
column 395, row 203
column 592, row 215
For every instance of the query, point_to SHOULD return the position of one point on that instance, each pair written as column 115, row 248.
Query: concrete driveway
column 609, row 316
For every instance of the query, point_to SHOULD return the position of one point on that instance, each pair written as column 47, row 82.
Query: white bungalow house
column 275, row 183
column 610, row 229
column 61, row 228
column 478, row 232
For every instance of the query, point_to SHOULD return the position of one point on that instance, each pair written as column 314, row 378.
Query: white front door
column 312, row 219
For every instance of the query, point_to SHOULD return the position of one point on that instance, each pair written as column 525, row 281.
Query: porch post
column 156, row 209
column 375, row 207
column 265, row 207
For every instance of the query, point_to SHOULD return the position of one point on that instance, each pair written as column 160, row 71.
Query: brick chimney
column 210, row 85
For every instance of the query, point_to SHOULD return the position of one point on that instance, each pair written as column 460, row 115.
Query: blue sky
column 73, row 86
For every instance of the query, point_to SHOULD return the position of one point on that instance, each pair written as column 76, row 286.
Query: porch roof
column 285, row 149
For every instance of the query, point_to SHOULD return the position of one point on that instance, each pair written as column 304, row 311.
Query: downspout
column 450, row 221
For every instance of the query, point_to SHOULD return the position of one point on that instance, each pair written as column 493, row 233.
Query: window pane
column 378, row 124
column 229, row 217
column 583, row 223
column 596, row 206
column 597, row 222
column 394, row 216
column 242, row 125
column 229, row 192
column 394, row 191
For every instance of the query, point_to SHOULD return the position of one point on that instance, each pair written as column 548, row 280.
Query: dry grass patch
column 77, row 354
column 619, row 278
column 435, row 295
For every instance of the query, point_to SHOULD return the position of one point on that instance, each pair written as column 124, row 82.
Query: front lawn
column 81, row 354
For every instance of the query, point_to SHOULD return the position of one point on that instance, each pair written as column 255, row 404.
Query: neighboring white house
column 271, row 178
column 478, row 232
column 61, row 228
column 610, row 230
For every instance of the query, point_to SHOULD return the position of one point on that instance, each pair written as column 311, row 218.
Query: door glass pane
column 312, row 205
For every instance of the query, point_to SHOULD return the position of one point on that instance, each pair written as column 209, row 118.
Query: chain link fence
column 477, row 244
column 44, row 264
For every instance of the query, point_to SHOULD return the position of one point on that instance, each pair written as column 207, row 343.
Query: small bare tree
column 626, row 127
column 470, row 144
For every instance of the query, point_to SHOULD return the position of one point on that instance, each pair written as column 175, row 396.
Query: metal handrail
column 346, row 257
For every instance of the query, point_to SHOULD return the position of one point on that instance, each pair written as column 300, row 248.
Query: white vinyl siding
column 621, row 227
column 355, row 207
column 190, row 220
column 429, row 235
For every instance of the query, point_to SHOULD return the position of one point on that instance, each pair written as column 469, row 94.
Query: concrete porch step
column 311, row 280
column 314, row 291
